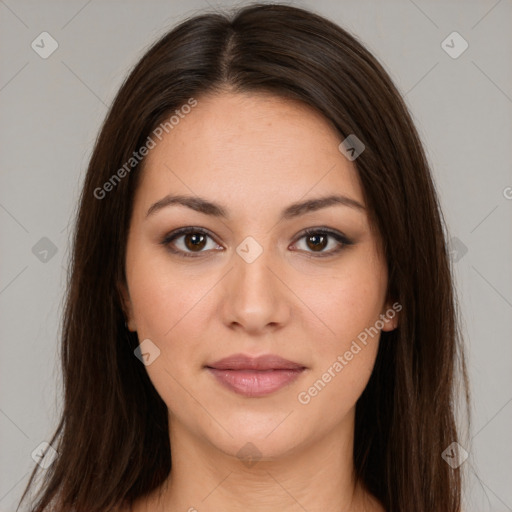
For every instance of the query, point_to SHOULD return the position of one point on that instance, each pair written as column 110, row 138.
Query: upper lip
column 263, row 362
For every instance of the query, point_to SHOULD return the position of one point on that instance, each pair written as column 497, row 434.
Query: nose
column 255, row 297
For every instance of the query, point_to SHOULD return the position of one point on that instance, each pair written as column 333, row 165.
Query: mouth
column 255, row 376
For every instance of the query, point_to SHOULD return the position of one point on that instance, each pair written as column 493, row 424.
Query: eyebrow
column 202, row 205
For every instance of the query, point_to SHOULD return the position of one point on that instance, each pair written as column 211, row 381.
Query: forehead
column 259, row 148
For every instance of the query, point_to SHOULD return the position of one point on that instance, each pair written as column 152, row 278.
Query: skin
column 255, row 154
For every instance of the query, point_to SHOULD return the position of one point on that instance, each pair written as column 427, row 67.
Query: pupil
column 195, row 241
column 317, row 245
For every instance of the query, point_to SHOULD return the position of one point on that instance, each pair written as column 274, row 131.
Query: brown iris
column 195, row 241
column 318, row 242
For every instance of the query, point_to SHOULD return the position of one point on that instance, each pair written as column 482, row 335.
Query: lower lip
column 253, row 383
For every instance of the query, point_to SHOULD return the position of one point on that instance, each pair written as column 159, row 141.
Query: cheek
column 162, row 295
column 349, row 305
column 167, row 310
column 343, row 361
column 349, row 301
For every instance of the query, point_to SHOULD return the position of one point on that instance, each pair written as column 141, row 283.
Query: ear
column 126, row 304
column 391, row 315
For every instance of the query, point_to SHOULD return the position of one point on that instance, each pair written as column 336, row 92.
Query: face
column 247, row 279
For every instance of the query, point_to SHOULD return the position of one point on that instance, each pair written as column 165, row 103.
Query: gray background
column 51, row 112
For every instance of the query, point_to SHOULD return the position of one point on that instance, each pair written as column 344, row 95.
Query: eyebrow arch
column 202, row 205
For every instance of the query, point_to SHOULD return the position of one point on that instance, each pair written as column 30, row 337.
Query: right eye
column 194, row 240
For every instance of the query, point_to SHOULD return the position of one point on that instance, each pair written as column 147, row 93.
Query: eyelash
column 339, row 237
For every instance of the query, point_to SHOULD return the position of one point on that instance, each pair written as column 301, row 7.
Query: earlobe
column 390, row 325
column 391, row 316
column 126, row 305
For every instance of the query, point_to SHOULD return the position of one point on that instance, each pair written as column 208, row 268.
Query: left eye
column 195, row 240
column 318, row 239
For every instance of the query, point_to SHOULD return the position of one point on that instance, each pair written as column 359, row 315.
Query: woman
column 260, row 312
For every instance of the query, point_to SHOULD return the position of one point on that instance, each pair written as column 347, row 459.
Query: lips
column 264, row 362
column 254, row 377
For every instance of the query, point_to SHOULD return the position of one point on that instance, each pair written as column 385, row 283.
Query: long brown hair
column 112, row 438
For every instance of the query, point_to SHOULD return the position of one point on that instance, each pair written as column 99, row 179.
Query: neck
column 319, row 476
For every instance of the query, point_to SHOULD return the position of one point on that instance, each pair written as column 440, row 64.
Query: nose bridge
column 252, row 272
column 252, row 275
column 255, row 298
